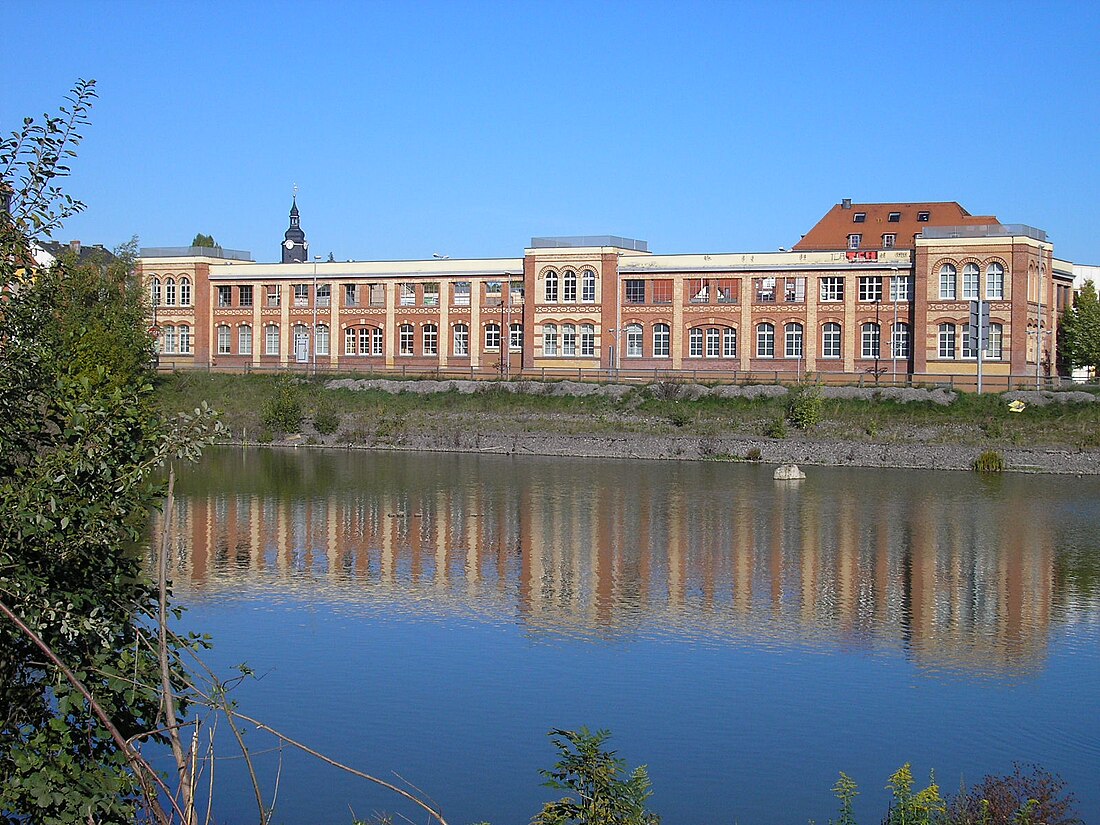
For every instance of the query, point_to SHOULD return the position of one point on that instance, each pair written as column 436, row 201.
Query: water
column 434, row 616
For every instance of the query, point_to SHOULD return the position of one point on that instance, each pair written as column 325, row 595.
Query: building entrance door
column 301, row 347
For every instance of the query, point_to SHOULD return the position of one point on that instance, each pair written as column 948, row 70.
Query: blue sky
column 466, row 128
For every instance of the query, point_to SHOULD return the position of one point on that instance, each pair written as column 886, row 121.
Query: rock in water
column 788, row 472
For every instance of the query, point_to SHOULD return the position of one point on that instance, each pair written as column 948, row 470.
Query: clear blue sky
column 466, row 128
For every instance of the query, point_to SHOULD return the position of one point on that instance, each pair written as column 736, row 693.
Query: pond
column 429, row 617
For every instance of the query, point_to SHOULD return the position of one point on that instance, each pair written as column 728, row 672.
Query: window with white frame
column 729, row 342
column 376, row 340
column 493, row 292
column 569, row 339
column 569, row 286
column 273, row 296
column 946, row 341
column 324, row 295
column 661, row 341
column 588, row 286
column 549, row 339
column 899, row 340
column 320, row 339
column 168, row 340
column 376, row 294
column 901, row 287
column 408, row 295
column 870, row 339
column 635, row 291
column 349, row 341
column 854, row 240
column 461, row 339
column 794, row 290
column 634, row 341
column 995, row 281
column 461, row 293
column 588, row 339
column 170, row 292
column 244, row 295
column 765, row 340
column 492, row 336
column 225, row 296
column 870, row 288
column 185, row 292
column 830, row 340
column 948, row 276
column 550, row 287
column 889, row 240
column 225, row 340
column 792, row 335
column 695, row 343
column 351, row 295
column 244, row 340
column 363, row 343
column 970, row 285
column 271, row 340
column 515, row 337
column 185, row 339
column 714, row 342
column 154, row 292
column 968, row 344
column 301, row 295
column 832, row 288
column 431, row 295
column 405, row 339
column 995, row 347
column 430, row 339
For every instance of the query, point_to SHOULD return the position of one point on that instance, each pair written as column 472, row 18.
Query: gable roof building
column 883, row 225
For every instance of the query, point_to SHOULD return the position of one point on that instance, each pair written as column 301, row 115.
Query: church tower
column 295, row 245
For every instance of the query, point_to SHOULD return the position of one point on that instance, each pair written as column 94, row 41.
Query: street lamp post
column 878, row 343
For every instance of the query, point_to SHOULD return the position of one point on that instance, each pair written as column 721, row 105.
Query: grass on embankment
column 365, row 415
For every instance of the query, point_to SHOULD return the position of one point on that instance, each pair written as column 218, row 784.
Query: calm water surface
column 435, row 615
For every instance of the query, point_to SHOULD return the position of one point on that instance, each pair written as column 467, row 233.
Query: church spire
column 295, row 245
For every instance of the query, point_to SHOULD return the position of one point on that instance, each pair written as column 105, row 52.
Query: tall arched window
column 271, row 339
column 185, row 292
column 225, row 339
column 661, row 341
column 948, row 274
column 792, row 335
column 569, row 337
column 170, row 292
column 995, row 281
column 714, row 342
column 349, row 341
column 168, row 340
column 244, row 339
column 830, row 340
column 971, row 278
column 405, row 339
column 430, row 339
column 588, row 339
column 460, row 340
column 765, row 340
column 551, row 286
column 695, row 342
column 154, row 292
column 633, row 340
column 947, row 341
column 900, row 339
column 549, row 339
column 588, row 286
column 515, row 336
column 995, row 347
column 321, row 339
column 185, row 339
column 870, row 338
column 569, row 286
column 729, row 342
column 492, row 336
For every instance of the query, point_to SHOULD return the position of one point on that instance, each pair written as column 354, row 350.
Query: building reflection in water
column 724, row 554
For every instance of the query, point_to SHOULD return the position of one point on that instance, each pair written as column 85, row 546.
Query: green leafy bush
column 776, row 428
column 753, row 454
column 282, row 413
column 326, row 420
column 990, row 461
column 804, row 407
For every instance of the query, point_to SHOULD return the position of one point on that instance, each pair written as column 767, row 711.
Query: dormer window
column 922, row 217
column 889, row 240
column 894, row 217
column 854, row 241
column 859, row 217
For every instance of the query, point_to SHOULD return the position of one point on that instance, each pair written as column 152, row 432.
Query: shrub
column 1033, row 796
column 666, row 390
column 776, row 428
column 805, row 405
column 990, row 461
column 679, row 418
column 282, row 412
column 753, row 454
column 326, row 420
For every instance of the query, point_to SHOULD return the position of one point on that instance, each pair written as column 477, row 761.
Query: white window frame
column 569, row 339
column 170, row 292
column 854, row 240
column 588, row 286
column 225, row 339
column 550, row 340
column 271, row 339
column 946, row 341
column 321, row 339
column 831, row 340
column 634, row 335
column 460, row 339
column 900, row 340
column 793, row 340
column 429, row 339
column 971, row 282
column 995, row 282
column 408, row 295
column 948, row 282
column 515, row 336
column 695, row 342
column 662, row 341
column 569, row 287
column 870, row 338
column 870, row 289
column 492, row 336
column 244, row 339
column 550, row 287
column 765, row 340
column 832, row 289
column 901, row 288
column 729, row 342
column 713, row 342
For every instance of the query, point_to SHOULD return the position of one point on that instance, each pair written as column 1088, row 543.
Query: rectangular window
column 515, row 337
column 899, row 341
column 461, row 292
column 889, row 240
column 351, row 295
column 549, row 340
column 969, row 349
column 376, row 341
column 349, row 341
column 431, row 295
column 364, row 340
column 922, row 217
column 832, row 289
column 830, row 340
column 698, row 291
column 970, row 282
column 244, row 340
column 794, row 290
column 859, row 217
column 793, row 341
column 462, row 339
column 492, row 337
column 324, row 295
column 765, row 341
column 714, row 342
column 662, row 291
column 320, row 339
column 405, row 339
column 376, row 294
column 493, row 292
column 588, row 338
column 729, row 343
column 995, row 284
column 894, row 217
column 901, row 288
column 764, row 290
column 271, row 340
column 728, row 290
column 569, row 287
column 516, row 292
column 661, row 341
column 634, row 341
column 695, row 343
column 854, row 241
column 569, row 339
column 225, row 296
column 994, row 348
column 244, row 295
column 431, row 340
column 223, row 341
column 870, row 340
column 635, row 291
column 301, row 295
column 870, row 288
column 588, row 286
column 273, row 296
column 408, row 295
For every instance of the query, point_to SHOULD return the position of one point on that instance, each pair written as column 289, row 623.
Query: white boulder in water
column 788, row 472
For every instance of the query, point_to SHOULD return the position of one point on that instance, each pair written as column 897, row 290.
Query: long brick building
column 871, row 289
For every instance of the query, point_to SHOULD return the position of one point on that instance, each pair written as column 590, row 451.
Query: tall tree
column 1080, row 329
column 204, row 241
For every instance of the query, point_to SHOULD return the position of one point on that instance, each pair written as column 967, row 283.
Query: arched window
column 729, row 342
column 569, row 336
column 515, row 336
column 970, row 282
column 695, row 342
column 765, row 340
column 830, row 340
column 947, row 282
column 947, row 341
column 185, row 292
column 405, row 339
column 661, row 341
column 271, row 339
column 588, row 286
column 170, row 292
column 244, row 339
column 225, row 339
column 569, row 286
column 995, row 281
column 792, row 339
column 995, row 347
column 460, row 340
column 430, row 336
column 549, row 339
column 375, row 341
column 321, row 339
column 899, row 340
column 168, row 340
column 492, row 336
column 551, row 286
column 634, row 341
column 185, row 339
column 154, row 292
column 714, row 342
column 349, row 341
column 588, row 339
column 870, row 337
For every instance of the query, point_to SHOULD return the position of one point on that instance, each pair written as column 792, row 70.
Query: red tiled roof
column 832, row 231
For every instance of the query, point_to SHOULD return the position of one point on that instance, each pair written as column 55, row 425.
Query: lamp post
column 878, row 329
column 316, row 258
column 894, row 329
